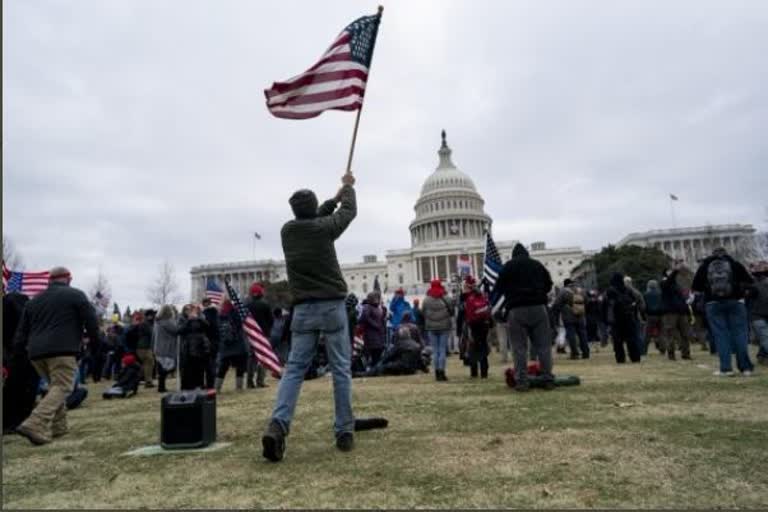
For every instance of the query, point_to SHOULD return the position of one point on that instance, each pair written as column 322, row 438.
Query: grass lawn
column 658, row 434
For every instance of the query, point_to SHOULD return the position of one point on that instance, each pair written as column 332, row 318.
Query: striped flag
column 214, row 292
column 28, row 283
column 260, row 344
column 335, row 82
column 491, row 268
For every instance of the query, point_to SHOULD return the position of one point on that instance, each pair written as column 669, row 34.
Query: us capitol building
column 447, row 239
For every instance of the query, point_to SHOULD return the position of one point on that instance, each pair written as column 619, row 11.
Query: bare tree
column 11, row 256
column 164, row 289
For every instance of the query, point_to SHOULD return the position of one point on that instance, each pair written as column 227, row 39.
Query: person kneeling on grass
column 404, row 357
column 127, row 380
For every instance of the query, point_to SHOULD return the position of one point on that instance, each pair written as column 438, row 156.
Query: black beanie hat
column 304, row 204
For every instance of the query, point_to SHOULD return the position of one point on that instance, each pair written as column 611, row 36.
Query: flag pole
column 360, row 110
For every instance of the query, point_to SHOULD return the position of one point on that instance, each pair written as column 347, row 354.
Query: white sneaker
column 746, row 373
column 718, row 373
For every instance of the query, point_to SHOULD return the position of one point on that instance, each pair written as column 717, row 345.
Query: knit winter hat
column 226, row 307
column 304, row 204
column 128, row 359
column 436, row 289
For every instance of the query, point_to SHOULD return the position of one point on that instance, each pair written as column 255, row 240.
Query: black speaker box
column 188, row 419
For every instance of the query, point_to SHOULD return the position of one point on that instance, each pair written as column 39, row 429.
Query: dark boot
column 273, row 442
column 437, row 375
column 345, row 441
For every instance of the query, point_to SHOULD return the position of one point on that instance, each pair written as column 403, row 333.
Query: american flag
column 336, row 82
column 491, row 268
column 214, row 292
column 28, row 283
column 260, row 344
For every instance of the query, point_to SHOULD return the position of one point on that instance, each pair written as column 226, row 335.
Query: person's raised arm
column 338, row 222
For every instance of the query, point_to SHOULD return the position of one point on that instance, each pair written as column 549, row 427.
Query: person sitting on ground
column 127, row 383
column 404, row 357
column 232, row 346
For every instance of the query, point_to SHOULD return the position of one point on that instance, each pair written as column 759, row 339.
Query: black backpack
column 720, row 278
column 625, row 306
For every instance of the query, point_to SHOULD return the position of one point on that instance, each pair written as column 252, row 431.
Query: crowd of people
column 57, row 338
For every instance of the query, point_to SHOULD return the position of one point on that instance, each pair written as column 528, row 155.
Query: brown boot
column 34, row 437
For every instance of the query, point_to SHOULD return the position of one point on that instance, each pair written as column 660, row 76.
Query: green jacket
column 310, row 255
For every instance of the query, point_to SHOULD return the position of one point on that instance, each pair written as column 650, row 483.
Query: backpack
column 578, row 305
column 720, row 278
column 624, row 306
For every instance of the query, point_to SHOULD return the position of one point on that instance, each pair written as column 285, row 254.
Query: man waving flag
column 335, row 82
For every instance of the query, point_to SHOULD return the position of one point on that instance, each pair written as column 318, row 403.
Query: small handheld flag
column 261, row 346
column 214, row 292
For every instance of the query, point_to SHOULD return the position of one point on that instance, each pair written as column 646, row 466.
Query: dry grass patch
column 658, row 434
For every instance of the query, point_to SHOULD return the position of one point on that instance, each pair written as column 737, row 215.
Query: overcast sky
column 136, row 131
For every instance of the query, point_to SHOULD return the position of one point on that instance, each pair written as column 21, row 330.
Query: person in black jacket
column 232, row 346
column 20, row 387
column 128, row 378
column 262, row 313
column 195, row 347
column 51, row 331
column 724, row 281
column 621, row 313
column 211, row 315
column 525, row 283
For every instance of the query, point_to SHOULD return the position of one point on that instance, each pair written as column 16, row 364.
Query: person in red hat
column 477, row 311
column 127, row 380
column 50, row 332
column 261, row 312
column 438, row 312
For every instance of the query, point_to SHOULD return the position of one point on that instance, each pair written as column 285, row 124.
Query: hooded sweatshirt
column 523, row 280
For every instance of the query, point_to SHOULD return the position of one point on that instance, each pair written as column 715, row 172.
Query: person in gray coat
column 438, row 313
column 165, row 345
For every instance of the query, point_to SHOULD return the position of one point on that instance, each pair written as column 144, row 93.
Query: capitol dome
column 449, row 208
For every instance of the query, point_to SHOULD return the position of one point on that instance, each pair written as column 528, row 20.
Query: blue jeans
column 761, row 329
column 728, row 323
column 309, row 321
column 439, row 342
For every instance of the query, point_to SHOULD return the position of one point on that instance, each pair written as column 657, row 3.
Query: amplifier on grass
column 188, row 419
